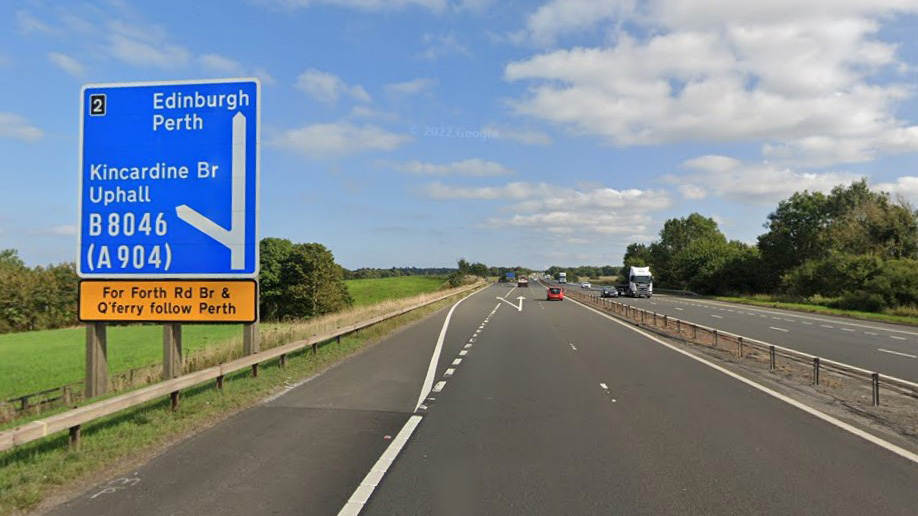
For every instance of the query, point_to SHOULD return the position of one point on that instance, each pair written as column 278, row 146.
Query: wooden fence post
column 96, row 360
column 172, row 350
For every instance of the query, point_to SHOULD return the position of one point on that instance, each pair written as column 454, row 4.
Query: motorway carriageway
column 885, row 348
column 508, row 406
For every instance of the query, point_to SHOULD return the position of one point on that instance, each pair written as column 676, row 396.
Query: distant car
column 585, row 285
column 555, row 293
column 609, row 292
column 523, row 282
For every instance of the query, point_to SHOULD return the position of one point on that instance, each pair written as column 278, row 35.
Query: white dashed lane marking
column 896, row 353
column 779, row 329
column 716, row 316
column 438, row 387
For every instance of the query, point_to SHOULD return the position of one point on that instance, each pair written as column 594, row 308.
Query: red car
column 555, row 293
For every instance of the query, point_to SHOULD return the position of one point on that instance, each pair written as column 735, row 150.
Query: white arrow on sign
column 234, row 238
column 518, row 308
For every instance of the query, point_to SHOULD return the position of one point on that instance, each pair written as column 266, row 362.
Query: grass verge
column 369, row 291
column 34, row 472
column 818, row 309
column 38, row 360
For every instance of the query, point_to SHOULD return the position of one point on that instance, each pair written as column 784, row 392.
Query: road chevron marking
column 898, row 450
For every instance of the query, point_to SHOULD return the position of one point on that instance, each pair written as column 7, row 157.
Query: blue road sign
column 511, row 275
column 169, row 179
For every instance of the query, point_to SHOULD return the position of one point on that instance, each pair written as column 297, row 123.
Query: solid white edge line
column 896, row 353
column 362, row 494
column 902, row 452
column 435, row 359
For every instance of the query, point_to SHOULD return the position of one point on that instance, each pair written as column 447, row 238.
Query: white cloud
column 266, row 78
column 17, row 127
column 338, row 139
column 437, row 46
column 368, row 5
column 326, row 87
column 412, row 87
column 562, row 210
column 808, row 81
column 29, row 24
column 752, row 183
column 515, row 190
column 525, row 136
column 470, row 167
column 145, row 46
column 221, row 64
column 559, row 17
column 692, row 192
column 905, row 186
column 61, row 230
column 67, row 64
column 476, row 6
column 361, row 111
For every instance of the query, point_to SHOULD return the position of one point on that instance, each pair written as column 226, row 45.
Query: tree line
column 297, row 281
column 854, row 246
column 36, row 298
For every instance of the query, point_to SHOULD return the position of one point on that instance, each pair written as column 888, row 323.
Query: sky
column 533, row 133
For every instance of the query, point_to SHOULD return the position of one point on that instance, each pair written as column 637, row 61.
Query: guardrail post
column 172, row 350
column 679, row 326
column 654, row 319
column 816, row 370
column 96, row 360
column 220, row 382
column 643, row 314
column 771, row 358
column 875, row 384
column 739, row 345
column 694, row 331
column 250, row 340
column 24, row 403
column 338, row 339
column 66, row 395
column 715, row 338
column 283, row 360
column 175, row 400
column 315, row 345
column 665, row 322
column 75, row 434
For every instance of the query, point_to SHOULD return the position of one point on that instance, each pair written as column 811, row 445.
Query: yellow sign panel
column 168, row 301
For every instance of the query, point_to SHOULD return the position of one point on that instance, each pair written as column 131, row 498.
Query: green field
column 37, row 360
column 369, row 291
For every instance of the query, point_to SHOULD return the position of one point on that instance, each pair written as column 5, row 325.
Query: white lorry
column 638, row 282
column 562, row 277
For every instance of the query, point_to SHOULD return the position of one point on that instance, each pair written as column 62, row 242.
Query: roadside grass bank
column 34, row 472
column 369, row 291
column 901, row 315
column 37, row 360
column 34, row 361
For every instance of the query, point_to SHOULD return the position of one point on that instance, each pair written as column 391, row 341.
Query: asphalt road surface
column 551, row 409
column 885, row 348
